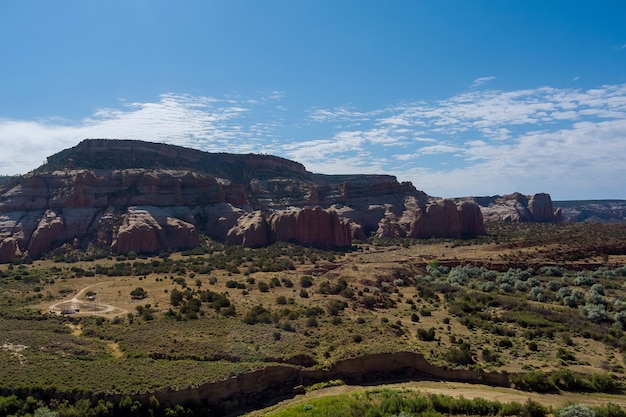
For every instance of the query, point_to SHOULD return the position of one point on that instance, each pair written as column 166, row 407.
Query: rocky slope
column 145, row 197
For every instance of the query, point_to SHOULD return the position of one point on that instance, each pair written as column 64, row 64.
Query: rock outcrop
column 442, row 218
column 311, row 227
column 251, row 230
column 151, row 229
column 517, row 207
column 146, row 197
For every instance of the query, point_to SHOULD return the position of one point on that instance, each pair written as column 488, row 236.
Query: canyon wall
column 138, row 196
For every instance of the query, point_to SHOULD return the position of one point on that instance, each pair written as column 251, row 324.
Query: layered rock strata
column 517, row 207
column 144, row 197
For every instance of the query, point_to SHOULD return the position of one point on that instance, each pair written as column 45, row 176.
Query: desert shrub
column 536, row 293
column 554, row 285
column 262, row 286
column 176, row 297
column 533, row 381
column 461, row 355
column 427, row 293
column 534, row 409
column 489, row 355
column 229, row 311
column 458, row 276
column 620, row 317
column 281, row 300
column 551, row 271
column 306, row 281
column 594, row 312
column 138, row 293
column 597, row 288
column 610, row 410
column 576, row 410
column 521, row 286
column 604, row 382
column 426, row 335
column 334, row 307
column 570, row 297
column 584, row 279
column 257, row 314
column 313, row 311
column 231, row 283
column 505, row 343
column 594, row 297
column 571, row 381
column 415, row 318
column 288, row 327
column 565, row 355
column 338, row 287
column 369, row 301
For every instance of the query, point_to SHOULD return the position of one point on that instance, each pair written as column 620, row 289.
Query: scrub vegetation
column 544, row 303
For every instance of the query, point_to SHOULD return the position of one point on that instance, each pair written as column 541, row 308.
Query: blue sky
column 459, row 97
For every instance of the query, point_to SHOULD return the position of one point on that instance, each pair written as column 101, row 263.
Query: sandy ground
column 82, row 306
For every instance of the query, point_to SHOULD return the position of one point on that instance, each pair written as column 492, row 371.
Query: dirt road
column 76, row 306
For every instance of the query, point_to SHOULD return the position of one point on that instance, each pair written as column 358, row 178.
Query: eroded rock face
column 9, row 250
column 440, row 218
column 151, row 229
column 311, row 227
column 251, row 230
column 517, row 207
column 50, row 230
column 123, row 195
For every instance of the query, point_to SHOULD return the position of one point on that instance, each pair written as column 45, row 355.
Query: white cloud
column 438, row 149
column 482, row 80
column 200, row 122
column 568, row 142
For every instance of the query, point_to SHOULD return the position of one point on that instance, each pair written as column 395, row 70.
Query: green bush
column 533, row 381
column 460, row 356
column 426, row 335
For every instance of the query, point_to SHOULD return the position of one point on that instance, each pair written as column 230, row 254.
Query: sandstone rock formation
column 517, row 207
column 150, row 229
column 442, row 218
column 311, row 227
column 146, row 197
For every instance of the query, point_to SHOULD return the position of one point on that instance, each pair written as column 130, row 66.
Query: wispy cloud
column 565, row 141
column 200, row 122
column 482, row 80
